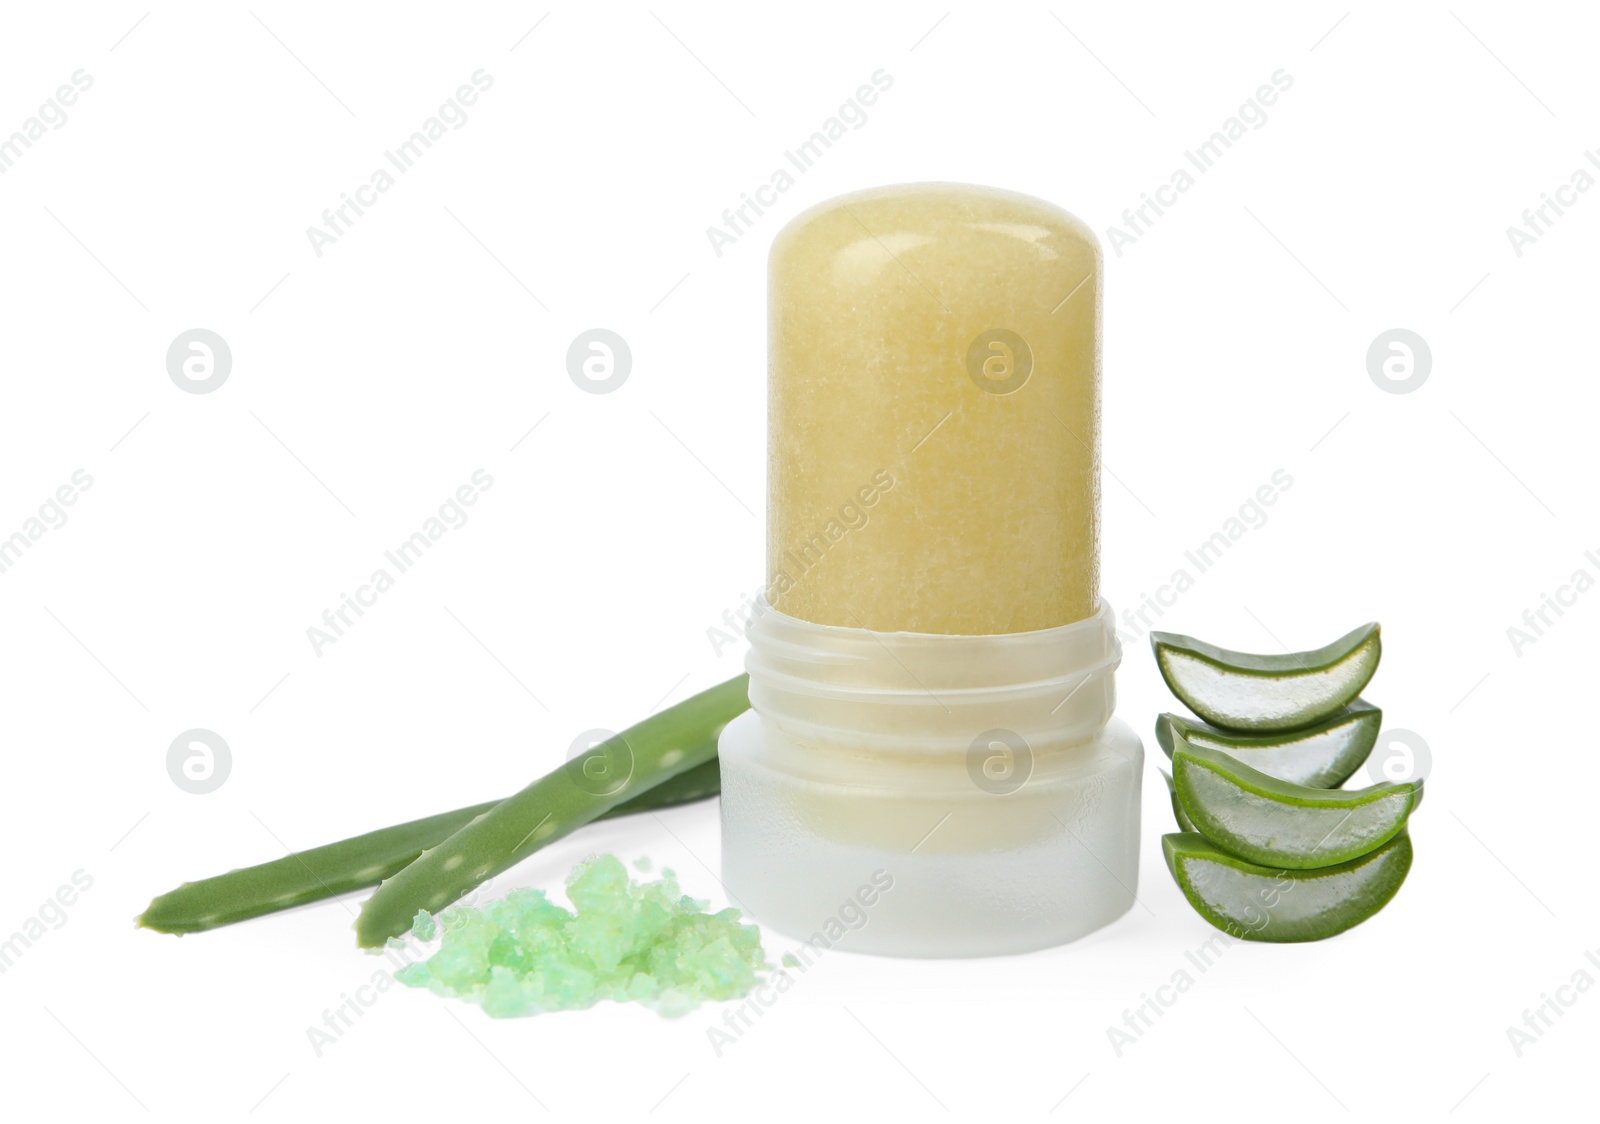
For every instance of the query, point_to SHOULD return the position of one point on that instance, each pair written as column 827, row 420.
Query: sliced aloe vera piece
column 1177, row 808
column 1323, row 756
column 1243, row 691
column 1260, row 818
column 1260, row 903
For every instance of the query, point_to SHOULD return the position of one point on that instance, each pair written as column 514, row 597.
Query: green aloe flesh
column 1260, row 903
column 1322, row 756
column 1265, row 820
column 366, row 860
column 1177, row 807
column 1243, row 691
column 657, row 749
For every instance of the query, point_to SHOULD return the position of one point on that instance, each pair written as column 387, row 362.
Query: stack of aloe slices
column 1271, row 848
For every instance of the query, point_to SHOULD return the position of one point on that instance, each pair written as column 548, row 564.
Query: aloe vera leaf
column 1324, row 755
column 1258, row 903
column 1245, row 691
column 655, row 750
column 1274, row 823
column 361, row 861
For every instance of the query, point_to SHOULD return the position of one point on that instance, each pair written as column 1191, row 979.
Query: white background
column 369, row 382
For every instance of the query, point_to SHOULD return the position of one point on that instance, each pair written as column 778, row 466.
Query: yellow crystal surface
column 934, row 420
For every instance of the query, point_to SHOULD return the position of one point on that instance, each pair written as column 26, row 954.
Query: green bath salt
column 640, row 942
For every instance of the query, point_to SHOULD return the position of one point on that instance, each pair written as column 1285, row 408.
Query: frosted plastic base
column 970, row 872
